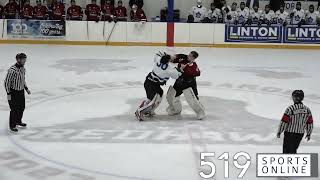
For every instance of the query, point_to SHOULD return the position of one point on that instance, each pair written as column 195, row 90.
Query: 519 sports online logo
column 267, row 165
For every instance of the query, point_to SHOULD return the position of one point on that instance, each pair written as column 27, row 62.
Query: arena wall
column 145, row 34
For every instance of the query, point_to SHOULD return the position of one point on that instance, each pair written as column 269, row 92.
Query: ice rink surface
column 81, row 123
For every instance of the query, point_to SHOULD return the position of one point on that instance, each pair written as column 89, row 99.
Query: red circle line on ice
column 16, row 143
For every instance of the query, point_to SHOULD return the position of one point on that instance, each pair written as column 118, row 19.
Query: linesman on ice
column 296, row 120
column 15, row 86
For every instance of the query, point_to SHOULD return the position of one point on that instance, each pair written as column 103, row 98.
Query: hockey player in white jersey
column 214, row 14
column 198, row 12
column 298, row 15
column 161, row 73
column 282, row 16
column 243, row 14
column 312, row 16
column 268, row 16
column 255, row 15
column 231, row 16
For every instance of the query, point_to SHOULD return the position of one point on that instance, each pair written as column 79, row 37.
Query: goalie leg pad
column 174, row 102
column 146, row 107
column 156, row 104
column 194, row 103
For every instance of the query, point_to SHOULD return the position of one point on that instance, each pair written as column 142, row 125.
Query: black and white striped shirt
column 15, row 79
column 297, row 119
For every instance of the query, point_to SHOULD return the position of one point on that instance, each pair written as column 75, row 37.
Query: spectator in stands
column 1, row 11
column 139, row 3
column 267, row 16
column 27, row 11
column 74, row 12
column 104, row 1
column 214, row 15
column 275, row 4
column 197, row 13
column 298, row 15
column 11, row 9
column 251, row 3
column 121, row 12
column 93, row 11
column 57, row 10
column 137, row 14
column 312, row 16
column 108, row 11
column 218, row 4
column 40, row 12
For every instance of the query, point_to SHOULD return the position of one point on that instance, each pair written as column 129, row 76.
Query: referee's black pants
column 291, row 142
column 17, row 106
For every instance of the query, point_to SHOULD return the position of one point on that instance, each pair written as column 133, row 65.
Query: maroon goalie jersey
column 191, row 70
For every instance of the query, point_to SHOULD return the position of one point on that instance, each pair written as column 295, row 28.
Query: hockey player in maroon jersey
column 185, row 84
column 93, row 11
column 137, row 14
column 11, row 9
column 40, row 12
column 57, row 11
column 121, row 12
column 108, row 11
column 1, row 11
column 74, row 12
column 27, row 11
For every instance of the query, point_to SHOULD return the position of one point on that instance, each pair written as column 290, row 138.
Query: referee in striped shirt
column 296, row 120
column 15, row 86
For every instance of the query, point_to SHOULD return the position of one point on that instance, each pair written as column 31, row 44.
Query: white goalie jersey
column 161, row 73
column 199, row 13
column 312, row 18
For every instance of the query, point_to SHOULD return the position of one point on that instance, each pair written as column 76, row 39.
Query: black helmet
column 298, row 96
column 21, row 56
column 165, row 59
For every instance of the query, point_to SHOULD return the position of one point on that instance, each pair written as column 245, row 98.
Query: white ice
column 80, row 113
